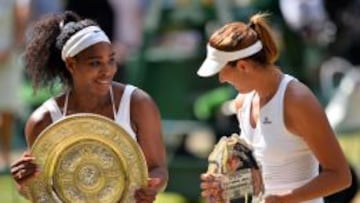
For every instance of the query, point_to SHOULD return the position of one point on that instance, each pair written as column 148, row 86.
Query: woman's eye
column 112, row 61
column 95, row 63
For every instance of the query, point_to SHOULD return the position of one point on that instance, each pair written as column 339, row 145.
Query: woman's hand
column 24, row 168
column 148, row 194
column 211, row 188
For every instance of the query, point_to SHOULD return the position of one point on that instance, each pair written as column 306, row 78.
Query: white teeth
column 104, row 82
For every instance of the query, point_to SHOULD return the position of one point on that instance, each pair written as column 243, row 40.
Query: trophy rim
column 126, row 150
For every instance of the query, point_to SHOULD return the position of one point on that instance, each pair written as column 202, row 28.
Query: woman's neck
column 84, row 102
column 270, row 80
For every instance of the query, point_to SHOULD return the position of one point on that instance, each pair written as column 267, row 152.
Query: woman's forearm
column 326, row 183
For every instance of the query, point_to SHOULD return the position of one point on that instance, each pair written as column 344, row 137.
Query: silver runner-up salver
column 240, row 174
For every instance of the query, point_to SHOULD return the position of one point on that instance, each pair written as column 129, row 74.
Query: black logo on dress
column 266, row 120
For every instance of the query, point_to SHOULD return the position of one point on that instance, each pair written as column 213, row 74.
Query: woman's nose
column 108, row 68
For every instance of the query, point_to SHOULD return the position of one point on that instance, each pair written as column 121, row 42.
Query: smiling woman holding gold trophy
column 279, row 118
column 99, row 141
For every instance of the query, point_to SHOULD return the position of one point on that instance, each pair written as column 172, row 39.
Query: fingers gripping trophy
column 234, row 167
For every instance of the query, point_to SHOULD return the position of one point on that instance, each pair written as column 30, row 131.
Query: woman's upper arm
column 36, row 123
column 146, row 117
column 304, row 116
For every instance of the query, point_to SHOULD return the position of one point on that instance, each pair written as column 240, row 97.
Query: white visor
column 82, row 40
column 217, row 59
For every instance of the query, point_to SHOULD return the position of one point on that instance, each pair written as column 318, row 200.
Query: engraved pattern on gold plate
column 86, row 158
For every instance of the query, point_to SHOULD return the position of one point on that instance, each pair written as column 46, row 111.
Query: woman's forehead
column 99, row 49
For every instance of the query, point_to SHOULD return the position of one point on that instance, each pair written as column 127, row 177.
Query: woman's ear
column 241, row 65
column 244, row 65
column 70, row 64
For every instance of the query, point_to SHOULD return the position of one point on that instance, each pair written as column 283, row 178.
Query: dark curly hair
column 43, row 52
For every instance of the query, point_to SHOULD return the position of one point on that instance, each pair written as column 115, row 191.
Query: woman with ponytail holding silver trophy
column 280, row 119
column 105, row 162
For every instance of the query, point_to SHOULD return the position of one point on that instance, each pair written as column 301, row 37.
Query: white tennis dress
column 122, row 116
column 286, row 160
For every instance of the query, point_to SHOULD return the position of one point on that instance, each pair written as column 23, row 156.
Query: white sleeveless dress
column 122, row 116
column 286, row 160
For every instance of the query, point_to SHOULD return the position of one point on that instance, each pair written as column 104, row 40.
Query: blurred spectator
column 99, row 10
column 13, row 17
column 324, row 29
column 345, row 15
column 121, row 20
column 309, row 19
column 306, row 33
column 40, row 8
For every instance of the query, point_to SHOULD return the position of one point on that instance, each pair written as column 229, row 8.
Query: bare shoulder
column 145, row 115
column 143, row 107
column 138, row 97
column 141, row 99
column 298, row 96
column 301, row 107
column 36, row 123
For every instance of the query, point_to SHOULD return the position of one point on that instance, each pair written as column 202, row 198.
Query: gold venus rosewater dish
column 86, row 158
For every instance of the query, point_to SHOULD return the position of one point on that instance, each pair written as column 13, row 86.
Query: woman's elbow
column 346, row 178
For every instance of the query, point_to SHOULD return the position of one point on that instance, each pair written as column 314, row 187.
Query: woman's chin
column 101, row 90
